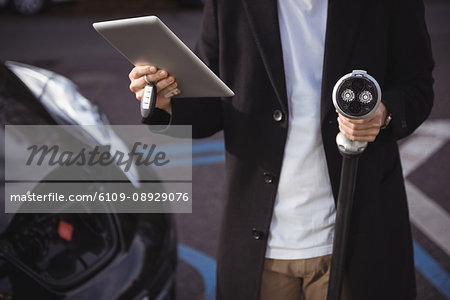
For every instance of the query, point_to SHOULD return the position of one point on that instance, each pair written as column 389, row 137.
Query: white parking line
column 425, row 214
column 417, row 150
column 429, row 217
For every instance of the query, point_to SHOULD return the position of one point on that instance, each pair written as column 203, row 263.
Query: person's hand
column 365, row 130
column 166, row 85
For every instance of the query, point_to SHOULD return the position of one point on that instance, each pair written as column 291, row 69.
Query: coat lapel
column 342, row 25
column 263, row 19
column 339, row 40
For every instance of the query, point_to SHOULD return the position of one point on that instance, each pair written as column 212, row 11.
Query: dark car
column 76, row 255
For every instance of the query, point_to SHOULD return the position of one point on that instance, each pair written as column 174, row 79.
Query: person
column 282, row 59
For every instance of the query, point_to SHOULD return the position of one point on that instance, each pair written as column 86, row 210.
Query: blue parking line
column 431, row 269
column 205, row 149
column 188, row 148
column 423, row 262
column 204, row 264
column 209, row 159
column 208, row 146
column 201, row 153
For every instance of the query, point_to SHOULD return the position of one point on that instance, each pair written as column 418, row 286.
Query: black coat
column 240, row 41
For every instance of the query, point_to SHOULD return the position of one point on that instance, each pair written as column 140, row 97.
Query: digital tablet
column 148, row 41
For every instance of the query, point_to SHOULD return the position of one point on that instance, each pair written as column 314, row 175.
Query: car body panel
column 141, row 257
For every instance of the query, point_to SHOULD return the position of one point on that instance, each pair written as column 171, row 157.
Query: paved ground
column 63, row 40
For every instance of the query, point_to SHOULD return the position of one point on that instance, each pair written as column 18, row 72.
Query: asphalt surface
column 63, row 40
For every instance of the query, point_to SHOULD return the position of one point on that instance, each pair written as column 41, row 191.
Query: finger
column 350, row 123
column 168, row 90
column 362, row 133
column 357, row 121
column 140, row 71
column 348, row 120
column 164, row 83
column 137, row 84
column 139, row 94
column 356, row 130
column 361, row 137
column 373, row 123
column 357, row 134
column 156, row 77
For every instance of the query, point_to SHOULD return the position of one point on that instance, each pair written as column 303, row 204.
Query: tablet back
column 148, row 41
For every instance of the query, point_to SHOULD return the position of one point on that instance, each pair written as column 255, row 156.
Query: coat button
column 257, row 235
column 277, row 115
column 268, row 178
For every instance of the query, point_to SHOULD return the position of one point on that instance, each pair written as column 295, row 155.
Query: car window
column 17, row 105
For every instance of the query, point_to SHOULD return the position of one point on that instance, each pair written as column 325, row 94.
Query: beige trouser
column 292, row 279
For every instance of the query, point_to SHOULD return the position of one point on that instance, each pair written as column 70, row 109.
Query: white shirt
column 304, row 213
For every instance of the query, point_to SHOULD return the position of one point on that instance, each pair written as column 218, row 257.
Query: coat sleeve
column 408, row 93
column 204, row 114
